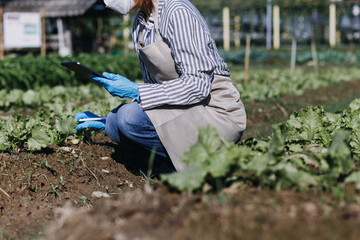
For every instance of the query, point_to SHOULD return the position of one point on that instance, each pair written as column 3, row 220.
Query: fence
column 274, row 22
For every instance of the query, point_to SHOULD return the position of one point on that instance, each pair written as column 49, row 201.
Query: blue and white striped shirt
column 194, row 51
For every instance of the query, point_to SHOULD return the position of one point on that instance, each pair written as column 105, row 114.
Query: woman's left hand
column 118, row 85
column 100, row 125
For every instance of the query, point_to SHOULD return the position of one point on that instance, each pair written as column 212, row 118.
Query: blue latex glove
column 118, row 85
column 100, row 125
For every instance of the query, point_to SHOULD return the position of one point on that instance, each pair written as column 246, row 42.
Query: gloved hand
column 100, row 125
column 118, row 85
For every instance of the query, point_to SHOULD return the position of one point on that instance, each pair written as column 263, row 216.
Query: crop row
column 324, row 57
column 51, row 125
column 314, row 149
column 263, row 85
column 47, row 95
column 266, row 84
column 29, row 72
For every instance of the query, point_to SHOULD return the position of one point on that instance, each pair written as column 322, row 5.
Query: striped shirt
column 195, row 54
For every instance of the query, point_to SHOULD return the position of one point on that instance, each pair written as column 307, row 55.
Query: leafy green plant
column 302, row 57
column 266, row 84
column 29, row 72
column 263, row 85
column 34, row 133
column 312, row 150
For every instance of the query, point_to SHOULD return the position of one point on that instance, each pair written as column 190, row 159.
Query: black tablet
column 81, row 69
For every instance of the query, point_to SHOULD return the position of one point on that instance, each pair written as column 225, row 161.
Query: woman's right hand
column 100, row 125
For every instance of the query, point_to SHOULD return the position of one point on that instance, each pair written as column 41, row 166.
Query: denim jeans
column 130, row 122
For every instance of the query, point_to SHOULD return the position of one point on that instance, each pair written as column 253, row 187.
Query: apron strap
column 156, row 18
column 156, row 25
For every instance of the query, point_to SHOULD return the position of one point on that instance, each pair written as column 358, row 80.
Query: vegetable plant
column 312, row 150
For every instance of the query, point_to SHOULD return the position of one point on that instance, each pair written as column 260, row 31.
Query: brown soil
column 33, row 185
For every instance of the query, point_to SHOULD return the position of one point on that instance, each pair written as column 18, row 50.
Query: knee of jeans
column 111, row 127
column 129, row 118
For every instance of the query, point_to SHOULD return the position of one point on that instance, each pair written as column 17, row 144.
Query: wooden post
column 332, row 25
column 314, row 56
column 99, row 37
column 247, row 60
column 1, row 35
column 126, row 34
column 293, row 55
column 64, row 49
column 226, row 32
column 276, row 22
column 268, row 25
column 237, row 32
column 43, row 32
column 68, row 40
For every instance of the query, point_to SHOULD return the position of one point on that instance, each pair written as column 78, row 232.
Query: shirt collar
column 150, row 23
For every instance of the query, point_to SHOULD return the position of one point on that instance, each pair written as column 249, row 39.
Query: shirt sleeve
column 189, row 40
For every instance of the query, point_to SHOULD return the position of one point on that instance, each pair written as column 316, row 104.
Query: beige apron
column 177, row 126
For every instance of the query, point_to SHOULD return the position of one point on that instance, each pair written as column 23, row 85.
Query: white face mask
column 121, row 6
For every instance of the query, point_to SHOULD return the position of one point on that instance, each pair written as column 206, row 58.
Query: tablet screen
column 81, row 69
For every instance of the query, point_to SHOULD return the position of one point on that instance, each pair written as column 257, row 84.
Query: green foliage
column 302, row 57
column 262, row 86
column 312, row 150
column 39, row 138
column 266, row 84
column 34, row 133
column 59, row 99
column 54, row 123
column 31, row 72
column 46, row 95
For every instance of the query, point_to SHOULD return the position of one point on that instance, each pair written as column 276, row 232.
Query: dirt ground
column 80, row 177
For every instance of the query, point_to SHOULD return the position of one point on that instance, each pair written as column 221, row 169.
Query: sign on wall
column 22, row 30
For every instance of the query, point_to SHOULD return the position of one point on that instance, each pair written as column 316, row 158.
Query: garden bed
column 34, row 184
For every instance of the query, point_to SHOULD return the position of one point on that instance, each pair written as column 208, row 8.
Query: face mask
column 121, row 6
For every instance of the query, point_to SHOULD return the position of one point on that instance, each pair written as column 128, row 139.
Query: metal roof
column 53, row 8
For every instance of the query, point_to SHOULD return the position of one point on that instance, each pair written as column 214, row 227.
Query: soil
column 60, row 183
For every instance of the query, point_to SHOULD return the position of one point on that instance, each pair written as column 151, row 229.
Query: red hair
column 146, row 6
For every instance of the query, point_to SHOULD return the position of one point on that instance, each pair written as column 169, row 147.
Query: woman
column 186, row 83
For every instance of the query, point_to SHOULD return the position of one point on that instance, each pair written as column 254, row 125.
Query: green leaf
column 56, row 108
column 306, row 180
column 190, row 179
column 66, row 125
column 311, row 123
column 355, row 105
column 39, row 139
column 355, row 143
column 207, row 144
column 339, row 155
column 29, row 97
column 294, row 121
column 277, row 142
column 4, row 144
column 258, row 164
column 294, row 148
column 354, row 178
column 219, row 164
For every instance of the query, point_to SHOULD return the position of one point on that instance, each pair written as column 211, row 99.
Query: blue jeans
column 130, row 122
